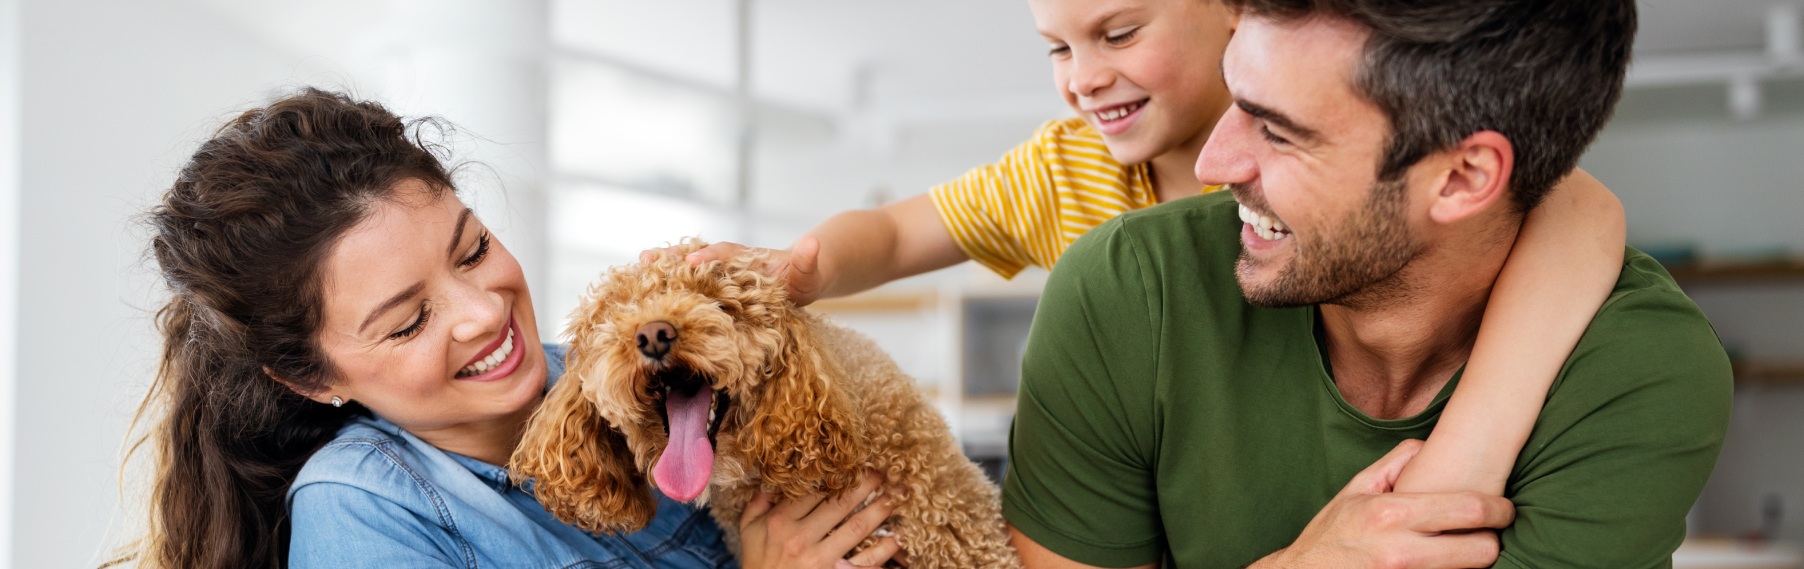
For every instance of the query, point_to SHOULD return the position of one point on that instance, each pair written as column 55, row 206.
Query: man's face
column 1300, row 151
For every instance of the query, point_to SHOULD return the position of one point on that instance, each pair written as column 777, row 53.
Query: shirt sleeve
column 1081, row 473
column 1609, row 484
column 996, row 213
column 337, row 526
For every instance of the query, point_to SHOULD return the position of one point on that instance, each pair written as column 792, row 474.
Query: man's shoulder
column 1647, row 315
column 1200, row 233
column 1649, row 343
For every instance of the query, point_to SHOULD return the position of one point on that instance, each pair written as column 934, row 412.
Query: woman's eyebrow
column 457, row 236
column 391, row 303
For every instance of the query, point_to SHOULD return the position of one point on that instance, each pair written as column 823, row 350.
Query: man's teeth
column 1265, row 227
column 495, row 358
column 1117, row 112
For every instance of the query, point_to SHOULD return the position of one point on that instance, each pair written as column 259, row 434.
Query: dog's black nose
column 656, row 338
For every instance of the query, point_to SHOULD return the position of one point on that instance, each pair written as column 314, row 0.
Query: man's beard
column 1356, row 265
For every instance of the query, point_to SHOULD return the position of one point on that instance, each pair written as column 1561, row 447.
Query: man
column 1198, row 389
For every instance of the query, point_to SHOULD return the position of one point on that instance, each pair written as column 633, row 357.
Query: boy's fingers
column 754, row 509
column 876, row 554
column 802, row 275
column 804, row 257
column 1463, row 511
column 715, row 252
column 1476, row 549
column 1382, row 475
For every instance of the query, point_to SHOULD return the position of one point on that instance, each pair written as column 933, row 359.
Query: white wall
column 115, row 94
column 1689, row 173
column 9, row 259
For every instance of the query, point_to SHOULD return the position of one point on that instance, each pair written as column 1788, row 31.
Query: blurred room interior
column 594, row 129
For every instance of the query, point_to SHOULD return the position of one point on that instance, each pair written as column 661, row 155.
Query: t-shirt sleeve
column 338, row 526
column 997, row 212
column 1641, row 413
column 1081, row 470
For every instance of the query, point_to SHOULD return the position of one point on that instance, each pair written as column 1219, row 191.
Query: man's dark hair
column 1544, row 73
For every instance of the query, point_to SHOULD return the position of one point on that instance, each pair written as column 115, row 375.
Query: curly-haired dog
column 708, row 382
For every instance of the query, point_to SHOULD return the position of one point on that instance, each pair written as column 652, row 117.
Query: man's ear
column 320, row 397
column 1477, row 179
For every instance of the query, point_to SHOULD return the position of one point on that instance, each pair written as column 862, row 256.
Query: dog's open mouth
column 692, row 414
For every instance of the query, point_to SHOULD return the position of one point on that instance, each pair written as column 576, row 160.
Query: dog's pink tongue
column 682, row 471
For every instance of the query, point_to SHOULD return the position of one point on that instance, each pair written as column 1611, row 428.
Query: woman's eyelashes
column 482, row 250
column 419, row 323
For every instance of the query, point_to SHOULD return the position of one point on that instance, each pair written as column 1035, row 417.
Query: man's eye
column 1272, row 137
column 1058, row 50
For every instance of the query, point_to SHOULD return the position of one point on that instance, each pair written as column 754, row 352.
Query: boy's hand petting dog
column 810, row 532
column 798, row 266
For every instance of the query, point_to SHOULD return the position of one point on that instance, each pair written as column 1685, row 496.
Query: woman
column 348, row 354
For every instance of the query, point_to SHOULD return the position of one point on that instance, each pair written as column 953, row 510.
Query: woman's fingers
column 755, row 509
column 834, row 510
column 875, row 555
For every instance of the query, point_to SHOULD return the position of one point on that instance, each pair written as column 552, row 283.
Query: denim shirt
column 376, row 496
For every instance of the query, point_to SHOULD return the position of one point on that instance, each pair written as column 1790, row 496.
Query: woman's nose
column 485, row 313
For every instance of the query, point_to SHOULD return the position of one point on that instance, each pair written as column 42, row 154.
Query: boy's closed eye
column 1121, row 36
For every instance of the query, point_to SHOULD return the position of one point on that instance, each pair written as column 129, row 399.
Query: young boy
column 1144, row 78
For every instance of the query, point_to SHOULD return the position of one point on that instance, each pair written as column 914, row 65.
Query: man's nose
column 656, row 339
column 1225, row 159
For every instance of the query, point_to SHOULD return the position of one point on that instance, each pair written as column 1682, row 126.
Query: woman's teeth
column 495, row 358
column 1118, row 112
column 1267, row 228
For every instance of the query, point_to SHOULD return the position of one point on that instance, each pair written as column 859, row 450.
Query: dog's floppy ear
column 581, row 467
column 802, row 436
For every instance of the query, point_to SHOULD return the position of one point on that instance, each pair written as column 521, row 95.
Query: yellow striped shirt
column 1044, row 194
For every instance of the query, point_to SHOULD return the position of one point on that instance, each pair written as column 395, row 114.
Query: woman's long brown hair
column 239, row 239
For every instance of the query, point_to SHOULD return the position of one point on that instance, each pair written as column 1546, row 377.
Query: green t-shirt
column 1161, row 417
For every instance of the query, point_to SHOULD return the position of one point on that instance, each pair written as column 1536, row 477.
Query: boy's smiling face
column 1143, row 72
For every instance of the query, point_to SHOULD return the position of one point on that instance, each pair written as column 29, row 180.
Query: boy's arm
column 856, row 250
column 1566, row 260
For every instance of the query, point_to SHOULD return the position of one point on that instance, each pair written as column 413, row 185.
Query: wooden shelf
column 880, row 302
column 1737, row 271
column 1769, row 371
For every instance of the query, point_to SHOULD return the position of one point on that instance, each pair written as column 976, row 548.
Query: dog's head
column 688, row 375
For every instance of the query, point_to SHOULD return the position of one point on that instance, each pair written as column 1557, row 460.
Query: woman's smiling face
column 427, row 319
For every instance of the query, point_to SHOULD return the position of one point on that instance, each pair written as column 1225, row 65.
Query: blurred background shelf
column 1770, row 371
column 1734, row 272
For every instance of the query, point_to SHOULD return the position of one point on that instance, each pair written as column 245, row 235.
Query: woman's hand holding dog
column 811, row 532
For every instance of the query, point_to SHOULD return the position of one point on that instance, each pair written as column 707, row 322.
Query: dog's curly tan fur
column 812, row 404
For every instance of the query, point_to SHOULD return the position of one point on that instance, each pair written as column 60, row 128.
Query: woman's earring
column 336, row 402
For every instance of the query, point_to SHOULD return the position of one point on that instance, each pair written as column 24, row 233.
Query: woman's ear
column 802, row 436
column 579, row 466
column 324, row 397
